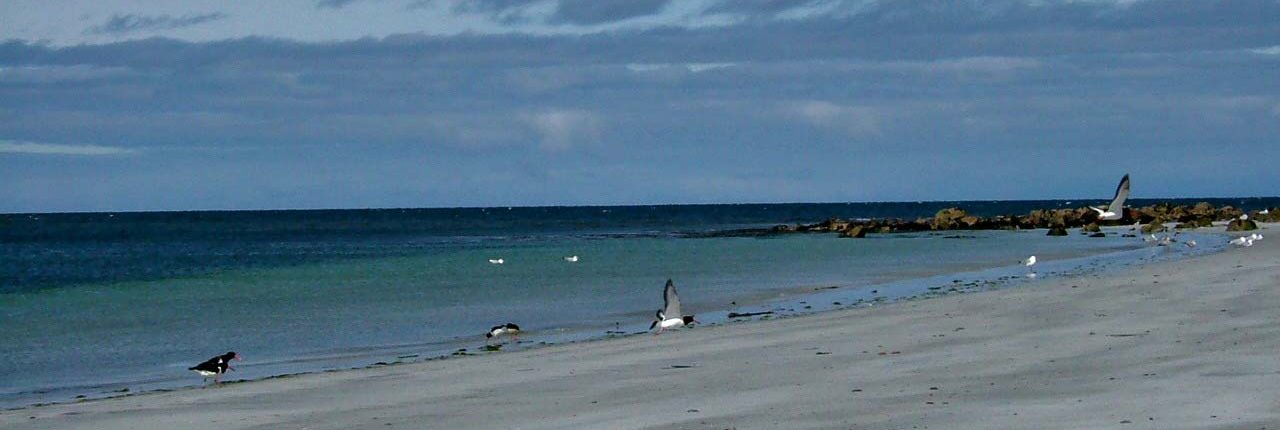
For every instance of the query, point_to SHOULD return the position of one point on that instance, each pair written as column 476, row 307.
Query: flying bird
column 496, row 261
column 571, row 259
column 1115, row 210
column 670, row 316
column 507, row 329
column 215, row 367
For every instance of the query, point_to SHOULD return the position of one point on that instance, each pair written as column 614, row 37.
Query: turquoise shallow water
column 324, row 300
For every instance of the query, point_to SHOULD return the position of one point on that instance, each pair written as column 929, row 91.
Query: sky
column 129, row 105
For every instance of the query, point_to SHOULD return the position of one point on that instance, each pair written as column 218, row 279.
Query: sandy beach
column 1188, row 344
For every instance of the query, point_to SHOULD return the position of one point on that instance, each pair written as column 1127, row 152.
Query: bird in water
column 1030, row 262
column 670, row 316
column 1115, row 210
column 507, row 329
column 215, row 367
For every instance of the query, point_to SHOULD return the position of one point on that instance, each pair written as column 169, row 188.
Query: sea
column 105, row 304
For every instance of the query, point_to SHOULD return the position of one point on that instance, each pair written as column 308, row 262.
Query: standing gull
column 669, row 316
column 215, row 367
column 1030, row 262
column 1115, row 210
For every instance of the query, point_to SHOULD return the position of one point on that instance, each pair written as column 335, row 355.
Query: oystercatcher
column 215, row 367
column 507, row 329
column 669, row 316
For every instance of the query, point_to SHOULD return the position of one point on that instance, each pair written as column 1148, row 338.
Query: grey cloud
column 130, row 23
column 334, row 4
column 576, row 12
column 604, row 11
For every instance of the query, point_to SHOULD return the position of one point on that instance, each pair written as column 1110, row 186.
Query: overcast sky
column 152, row 105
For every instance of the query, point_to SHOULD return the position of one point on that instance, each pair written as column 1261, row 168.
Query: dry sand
column 1189, row 344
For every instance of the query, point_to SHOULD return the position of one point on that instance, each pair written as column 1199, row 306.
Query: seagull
column 1164, row 241
column 1242, row 241
column 1029, row 262
column 1264, row 211
column 507, row 329
column 669, row 316
column 1255, row 236
column 496, row 261
column 1244, row 217
column 571, row 259
column 1190, row 243
column 1115, row 210
column 215, row 367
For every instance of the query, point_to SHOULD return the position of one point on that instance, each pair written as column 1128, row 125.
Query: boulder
column 947, row 219
column 1057, row 230
column 1241, row 225
column 856, row 231
column 1155, row 226
column 1091, row 228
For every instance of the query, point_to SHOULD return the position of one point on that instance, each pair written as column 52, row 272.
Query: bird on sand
column 1255, row 236
column 1115, row 210
column 215, row 367
column 670, row 316
column 1242, row 241
column 508, row 329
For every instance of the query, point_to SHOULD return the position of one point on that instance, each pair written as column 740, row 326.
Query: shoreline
column 606, row 357
column 799, row 300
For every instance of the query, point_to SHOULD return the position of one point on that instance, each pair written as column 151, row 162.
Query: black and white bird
column 215, row 367
column 507, row 329
column 670, row 316
column 1115, row 210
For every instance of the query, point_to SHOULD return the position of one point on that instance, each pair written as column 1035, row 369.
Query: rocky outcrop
column 1057, row 230
column 1157, row 217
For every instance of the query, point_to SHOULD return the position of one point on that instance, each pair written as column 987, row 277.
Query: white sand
column 1191, row 344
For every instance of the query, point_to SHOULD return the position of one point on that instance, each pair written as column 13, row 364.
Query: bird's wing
column 670, row 301
column 1122, row 193
column 210, row 364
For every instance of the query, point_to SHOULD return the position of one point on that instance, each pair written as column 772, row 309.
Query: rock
column 1057, row 230
column 1241, row 225
column 1098, row 234
column 856, row 232
column 784, row 228
column 1154, row 227
column 1091, row 228
column 947, row 219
